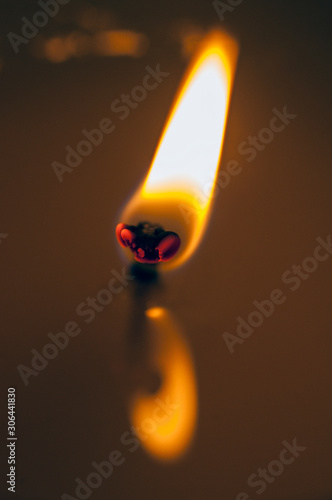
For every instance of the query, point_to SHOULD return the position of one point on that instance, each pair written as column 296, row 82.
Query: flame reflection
column 176, row 399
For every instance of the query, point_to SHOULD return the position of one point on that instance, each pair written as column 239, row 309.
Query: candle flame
column 178, row 189
column 174, row 406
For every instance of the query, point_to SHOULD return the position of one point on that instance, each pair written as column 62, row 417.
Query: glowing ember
column 149, row 243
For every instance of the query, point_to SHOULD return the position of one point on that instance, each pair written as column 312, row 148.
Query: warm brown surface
column 61, row 249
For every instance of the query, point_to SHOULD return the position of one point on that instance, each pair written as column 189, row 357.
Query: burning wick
column 150, row 243
column 179, row 187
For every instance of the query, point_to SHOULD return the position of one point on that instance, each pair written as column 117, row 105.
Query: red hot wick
column 149, row 243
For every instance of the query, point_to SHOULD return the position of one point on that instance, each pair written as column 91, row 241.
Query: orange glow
column 109, row 43
column 57, row 49
column 178, row 189
column 169, row 438
column 188, row 35
column 121, row 43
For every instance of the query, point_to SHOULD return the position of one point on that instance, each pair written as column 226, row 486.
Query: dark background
column 61, row 248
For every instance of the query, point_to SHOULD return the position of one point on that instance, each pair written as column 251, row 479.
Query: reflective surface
column 60, row 262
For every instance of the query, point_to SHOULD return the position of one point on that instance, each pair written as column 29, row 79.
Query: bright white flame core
column 189, row 151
